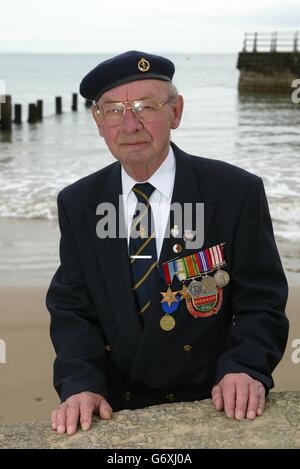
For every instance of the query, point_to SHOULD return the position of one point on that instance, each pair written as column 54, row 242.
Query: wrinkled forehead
column 139, row 89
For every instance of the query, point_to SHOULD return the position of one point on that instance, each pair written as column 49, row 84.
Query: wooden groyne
column 12, row 114
column 269, row 62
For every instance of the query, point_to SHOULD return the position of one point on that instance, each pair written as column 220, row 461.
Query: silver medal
column 209, row 284
column 221, row 278
column 195, row 289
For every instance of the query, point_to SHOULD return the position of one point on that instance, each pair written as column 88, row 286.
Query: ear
column 96, row 116
column 177, row 112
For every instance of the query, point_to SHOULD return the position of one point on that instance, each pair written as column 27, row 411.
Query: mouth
column 134, row 144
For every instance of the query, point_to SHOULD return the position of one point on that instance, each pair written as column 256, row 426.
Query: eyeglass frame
column 128, row 108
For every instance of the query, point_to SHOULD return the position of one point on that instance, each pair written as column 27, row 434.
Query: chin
column 135, row 157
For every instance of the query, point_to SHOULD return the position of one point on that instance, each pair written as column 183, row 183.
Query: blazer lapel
column 112, row 255
column 186, row 189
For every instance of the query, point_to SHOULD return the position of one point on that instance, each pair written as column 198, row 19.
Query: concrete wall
column 179, row 425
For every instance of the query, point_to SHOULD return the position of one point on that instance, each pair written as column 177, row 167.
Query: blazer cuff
column 75, row 387
column 229, row 366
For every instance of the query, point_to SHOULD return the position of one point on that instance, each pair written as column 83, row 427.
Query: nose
column 130, row 122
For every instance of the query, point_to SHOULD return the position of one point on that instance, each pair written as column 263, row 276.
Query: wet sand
column 26, row 391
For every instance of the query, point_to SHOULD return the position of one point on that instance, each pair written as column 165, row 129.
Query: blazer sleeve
column 259, row 330
column 75, row 330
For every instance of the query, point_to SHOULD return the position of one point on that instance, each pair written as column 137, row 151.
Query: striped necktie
column 142, row 243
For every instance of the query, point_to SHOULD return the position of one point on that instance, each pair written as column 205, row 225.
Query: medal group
column 203, row 294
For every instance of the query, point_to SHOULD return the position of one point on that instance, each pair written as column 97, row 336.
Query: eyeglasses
column 145, row 110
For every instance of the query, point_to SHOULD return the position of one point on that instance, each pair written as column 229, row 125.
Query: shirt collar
column 162, row 179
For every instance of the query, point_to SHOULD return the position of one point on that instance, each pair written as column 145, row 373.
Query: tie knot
column 143, row 191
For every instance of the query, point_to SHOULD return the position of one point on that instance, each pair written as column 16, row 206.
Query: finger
column 53, row 420
column 105, row 410
column 229, row 395
column 261, row 400
column 256, row 404
column 253, row 400
column 72, row 418
column 86, row 412
column 242, row 395
column 61, row 418
column 217, row 397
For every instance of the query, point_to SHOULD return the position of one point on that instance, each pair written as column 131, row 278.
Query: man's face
column 134, row 142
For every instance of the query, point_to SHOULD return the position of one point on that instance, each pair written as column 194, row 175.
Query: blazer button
column 170, row 397
column 187, row 348
column 108, row 348
column 127, row 396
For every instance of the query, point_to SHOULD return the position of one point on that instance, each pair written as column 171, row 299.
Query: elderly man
column 152, row 312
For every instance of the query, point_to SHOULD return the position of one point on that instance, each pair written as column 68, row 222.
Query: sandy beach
column 26, row 391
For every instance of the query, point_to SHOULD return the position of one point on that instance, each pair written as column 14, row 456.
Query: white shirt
column 160, row 199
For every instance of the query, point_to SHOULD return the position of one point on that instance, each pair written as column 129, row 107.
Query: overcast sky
column 154, row 25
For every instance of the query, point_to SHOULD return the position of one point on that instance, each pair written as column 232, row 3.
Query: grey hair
column 172, row 89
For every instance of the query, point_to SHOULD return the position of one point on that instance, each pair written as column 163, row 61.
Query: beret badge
column 143, row 65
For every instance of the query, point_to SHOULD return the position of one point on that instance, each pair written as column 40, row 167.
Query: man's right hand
column 79, row 408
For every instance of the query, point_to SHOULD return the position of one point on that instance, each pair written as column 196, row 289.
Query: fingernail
column 70, row 429
column 239, row 415
column 251, row 415
column 85, row 426
column 60, row 429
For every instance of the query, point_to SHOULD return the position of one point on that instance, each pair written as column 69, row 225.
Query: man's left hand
column 239, row 396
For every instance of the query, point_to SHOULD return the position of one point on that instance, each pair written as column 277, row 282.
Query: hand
column 79, row 407
column 240, row 396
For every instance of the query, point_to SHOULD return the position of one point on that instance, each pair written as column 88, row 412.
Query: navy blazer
column 100, row 343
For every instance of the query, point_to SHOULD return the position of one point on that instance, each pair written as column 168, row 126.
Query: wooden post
column 32, row 113
column 39, row 105
column 296, row 42
column 58, row 105
column 6, row 112
column 255, row 43
column 18, row 114
column 273, row 42
column 88, row 103
column 245, row 43
column 74, row 102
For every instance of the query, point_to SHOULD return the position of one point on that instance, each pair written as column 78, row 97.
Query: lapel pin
column 188, row 235
column 175, row 231
column 177, row 248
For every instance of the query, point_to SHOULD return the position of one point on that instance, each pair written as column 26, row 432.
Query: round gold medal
column 167, row 322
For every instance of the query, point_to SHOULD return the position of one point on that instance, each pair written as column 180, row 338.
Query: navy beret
column 129, row 66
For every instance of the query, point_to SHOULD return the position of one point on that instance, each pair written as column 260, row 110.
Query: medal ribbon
column 194, row 265
column 166, row 271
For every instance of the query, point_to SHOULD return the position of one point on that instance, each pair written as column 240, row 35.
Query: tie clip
column 140, row 257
